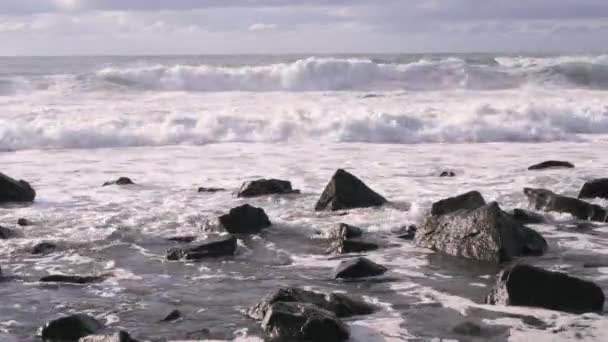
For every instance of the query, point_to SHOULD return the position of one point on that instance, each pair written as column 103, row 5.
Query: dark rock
column 244, row 219
column 72, row 279
column 468, row 329
column 172, row 316
column 345, row 246
column 524, row 285
column 121, row 336
column 182, row 239
column 303, row 322
column 484, row 234
column 542, row 199
column 448, row 174
column 468, row 201
column 346, row 191
column 551, row 164
column 12, row 190
column 595, row 264
column 410, row 233
column 120, row 181
column 343, row 231
column 358, row 268
column 527, row 217
column 211, row 190
column 341, row 305
column 44, row 248
column 214, row 248
column 7, row 233
column 70, row 328
column 263, row 187
column 23, row 222
column 597, row 188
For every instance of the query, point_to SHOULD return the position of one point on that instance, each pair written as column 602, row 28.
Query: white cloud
column 262, row 27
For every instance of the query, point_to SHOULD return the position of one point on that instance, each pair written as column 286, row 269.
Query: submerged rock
column 12, row 190
column 303, row 322
column 467, row 201
column 211, row 190
column 172, row 316
column 44, row 248
column 23, row 222
column 542, row 199
column 524, row 285
column 244, row 219
column 597, row 188
column 346, row 191
column 224, row 246
column 121, row 336
column 527, row 217
column 448, row 174
column 71, row 328
column 263, row 187
column 410, row 233
column 467, row 329
column 72, row 279
column 552, row 164
column 358, row 268
column 345, row 246
column 484, row 234
column 7, row 233
column 120, row 181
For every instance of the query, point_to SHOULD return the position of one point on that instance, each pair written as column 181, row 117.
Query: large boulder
column 244, row 219
column 597, row 188
column 224, row 246
column 12, row 190
column 341, row 305
column 542, row 199
column 71, row 328
column 263, row 187
column 358, row 268
column 467, row 201
column 345, row 191
column 121, row 336
column 524, row 285
column 484, row 234
column 303, row 322
column 552, row 164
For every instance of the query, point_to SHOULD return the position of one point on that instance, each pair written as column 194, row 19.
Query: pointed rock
column 346, row 191
column 468, row 201
column 542, row 199
column 244, row 219
column 12, row 190
column 358, row 268
column 597, row 188
column 172, row 316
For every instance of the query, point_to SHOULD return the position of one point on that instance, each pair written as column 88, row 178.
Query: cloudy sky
column 66, row 27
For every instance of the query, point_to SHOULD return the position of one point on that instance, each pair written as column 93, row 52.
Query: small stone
column 120, row 181
column 211, row 190
column 448, row 174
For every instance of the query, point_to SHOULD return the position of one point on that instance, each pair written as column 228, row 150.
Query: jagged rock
column 341, row 305
column 172, row 316
column 346, row 191
column 23, row 222
column 71, row 328
column 224, row 246
column 551, row 164
column 7, row 233
column 263, row 187
column 468, row 329
column 448, row 174
column 211, row 190
column 72, row 279
column 121, row 336
column 244, row 219
column 44, row 248
column 410, row 233
column 524, row 285
column 120, row 181
column 527, row 217
column 343, row 231
column 182, row 239
column 542, row 199
column 597, row 188
column 358, row 268
column 12, row 190
column 303, row 322
column 484, row 234
column 468, row 201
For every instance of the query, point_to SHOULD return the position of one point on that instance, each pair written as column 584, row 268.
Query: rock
column 551, row 164
column 346, row 191
column 341, row 305
column 485, row 234
column 7, row 233
column 121, row 336
column 263, row 187
column 120, row 181
column 343, row 231
column 468, row 201
column 244, row 219
column 182, row 239
column 70, row 328
column 44, row 248
column 211, row 190
column 448, row 174
column 224, row 246
column 468, row 329
column 597, row 188
column 23, row 222
column 72, row 279
column 595, row 264
column 12, row 190
column 527, row 217
column 345, row 246
column 358, row 268
column 542, row 199
column 410, row 233
column 303, row 322
column 172, row 316
column 524, row 285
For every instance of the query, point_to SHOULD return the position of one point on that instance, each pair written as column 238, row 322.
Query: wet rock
column 343, row 231
column 72, row 279
column 262, row 187
column 120, row 181
column 346, row 191
column 358, row 268
column 597, row 188
column 121, row 336
column 303, row 322
column 448, row 174
column 468, row 329
column 214, row 248
column 211, row 190
column 485, row 234
column 7, row 233
column 542, row 199
column 595, row 264
column 16, row 191
column 524, row 285
column 172, row 316
column 468, row 201
column 71, row 328
column 341, row 305
column 182, row 239
column 527, row 217
column 244, row 219
column 44, row 248
column 23, row 222
column 345, row 246
column 410, row 233
column 552, row 164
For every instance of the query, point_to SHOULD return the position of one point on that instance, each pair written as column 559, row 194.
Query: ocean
column 176, row 123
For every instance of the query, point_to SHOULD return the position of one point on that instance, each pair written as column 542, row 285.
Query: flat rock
column 358, row 268
column 121, row 336
column 485, row 234
column 244, row 219
column 72, row 279
column 43, row 248
column 262, row 187
column 71, row 328
column 213, row 248
column 182, row 239
column 15, row 191
column 542, row 199
column 597, row 188
column 467, row 201
column 119, row 181
column 552, row 164
column 524, row 285
column 303, row 322
column 527, row 217
column 345, row 191
column 210, row 190
column 7, row 233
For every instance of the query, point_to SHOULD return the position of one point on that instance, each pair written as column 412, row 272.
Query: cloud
column 262, row 27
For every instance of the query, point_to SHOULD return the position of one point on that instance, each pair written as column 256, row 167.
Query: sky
column 138, row 27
